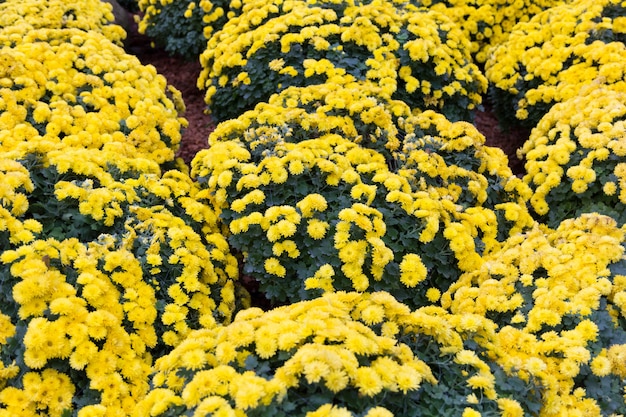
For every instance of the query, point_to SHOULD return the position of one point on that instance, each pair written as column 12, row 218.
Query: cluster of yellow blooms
column 560, row 308
column 314, row 357
column 88, row 306
column 551, row 57
column 109, row 255
column 578, row 148
column 119, row 293
column 419, row 56
column 15, row 187
column 192, row 247
column 488, row 23
column 107, row 291
column 100, row 288
column 76, row 89
column 211, row 13
column 320, row 170
column 22, row 19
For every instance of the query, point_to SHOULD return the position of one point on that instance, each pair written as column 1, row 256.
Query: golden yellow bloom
column 368, row 381
column 433, row 294
column 330, row 410
column 412, row 270
column 510, row 407
column 353, row 252
column 617, row 356
column 336, row 380
column 317, row 228
column 373, row 314
column 194, row 359
column 569, row 368
column 379, row 412
column 315, row 371
column 601, row 365
column 277, row 64
column 470, row 412
column 247, row 390
column 323, row 279
column 284, row 228
column 274, row 267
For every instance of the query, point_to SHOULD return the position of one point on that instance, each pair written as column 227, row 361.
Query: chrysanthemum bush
column 80, row 314
column 77, row 88
column 327, row 186
column 344, row 354
column 548, row 59
column 420, row 57
column 174, row 236
column 182, row 27
column 19, row 18
column 576, row 157
column 157, row 269
column 559, row 297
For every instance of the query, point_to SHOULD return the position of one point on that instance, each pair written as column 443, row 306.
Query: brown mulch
column 183, row 75
column 509, row 141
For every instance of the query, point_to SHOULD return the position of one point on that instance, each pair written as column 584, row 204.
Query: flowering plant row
column 328, row 214
column 558, row 345
column 486, row 23
column 418, row 55
column 183, row 26
column 109, row 258
column 329, row 185
column 561, row 73
column 429, row 287
column 576, row 157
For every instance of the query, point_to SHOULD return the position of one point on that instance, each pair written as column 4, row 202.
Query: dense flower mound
column 80, row 314
column 19, row 18
column 358, row 111
column 182, row 27
column 116, row 273
column 420, row 57
column 576, row 157
column 560, row 299
column 344, row 354
column 350, row 200
column 113, row 303
column 70, row 88
column 548, row 59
